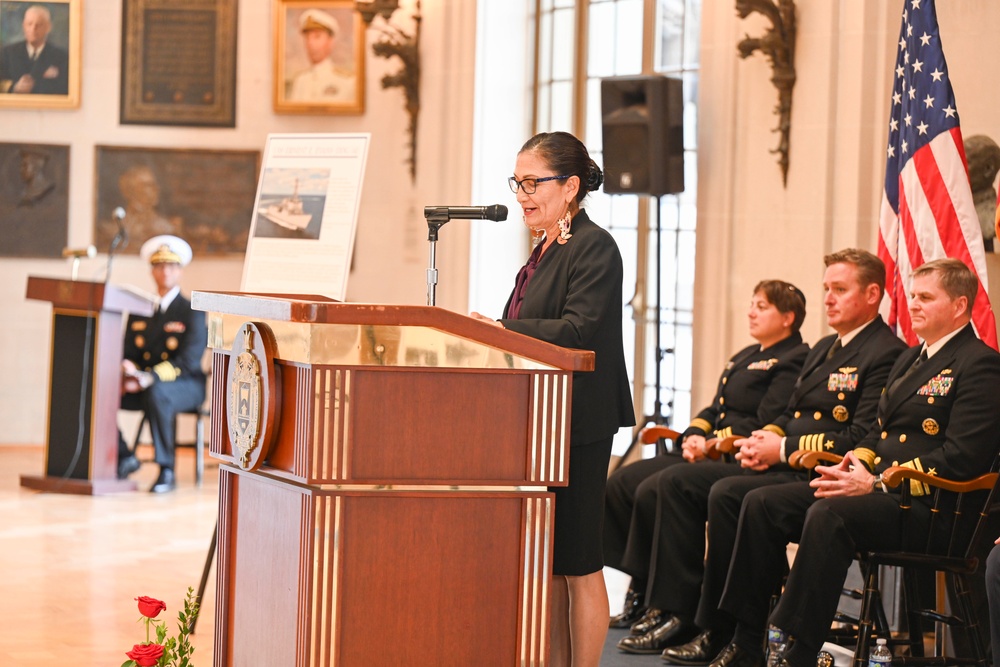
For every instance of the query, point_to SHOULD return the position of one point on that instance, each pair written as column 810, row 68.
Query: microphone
column 89, row 252
column 497, row 212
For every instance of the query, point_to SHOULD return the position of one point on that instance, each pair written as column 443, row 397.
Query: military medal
column 931, row 427
column 762, row 365
column 840, row 413
column 846, row 379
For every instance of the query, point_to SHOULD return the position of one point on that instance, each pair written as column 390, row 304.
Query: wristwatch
column 877, row 484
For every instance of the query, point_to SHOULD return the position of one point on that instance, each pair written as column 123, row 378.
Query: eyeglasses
column 528, row 185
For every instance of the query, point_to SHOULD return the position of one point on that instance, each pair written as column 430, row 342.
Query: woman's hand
column 482, row 318
column 693, row 448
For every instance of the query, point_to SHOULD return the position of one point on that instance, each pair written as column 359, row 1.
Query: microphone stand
column 120, row 239
column 434, row 222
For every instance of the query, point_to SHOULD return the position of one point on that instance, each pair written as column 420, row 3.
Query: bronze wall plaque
column 34, row 200
column 179, row 62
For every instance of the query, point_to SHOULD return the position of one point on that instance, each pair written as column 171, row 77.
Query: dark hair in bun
column 567, row 156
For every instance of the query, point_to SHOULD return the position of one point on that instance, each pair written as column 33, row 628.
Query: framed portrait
column 34, row 200
column 179, row 63
column 40, row 54
column 319, row 57
column 204, row 196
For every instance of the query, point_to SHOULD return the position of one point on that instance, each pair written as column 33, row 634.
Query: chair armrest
column 651, row 434
column 895, row 475
column 716, row 448
column 809, row 459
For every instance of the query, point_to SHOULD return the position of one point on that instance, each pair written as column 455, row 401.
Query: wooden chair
column 959, row 512
column 714, row 451
column 658, row 435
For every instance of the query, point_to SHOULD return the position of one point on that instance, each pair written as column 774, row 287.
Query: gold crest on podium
column 251, row 392
column 244, row 401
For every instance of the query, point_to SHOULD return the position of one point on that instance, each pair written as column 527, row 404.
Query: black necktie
column 909, row 371
column 834, row 348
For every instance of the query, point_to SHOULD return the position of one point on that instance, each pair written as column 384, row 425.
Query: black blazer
column 753, row 389
column 50, row 71
column 574, row 299
column 170, row 344
column 942, row 419
column 835, row 400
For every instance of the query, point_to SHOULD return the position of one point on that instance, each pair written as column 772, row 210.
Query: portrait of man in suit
column 35, row 61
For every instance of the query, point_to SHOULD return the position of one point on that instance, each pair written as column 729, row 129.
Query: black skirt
column 579, row 514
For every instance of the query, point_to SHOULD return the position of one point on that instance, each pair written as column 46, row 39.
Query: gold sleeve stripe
column 867, row 456
column 812, row 442
column 702, row 424
column 166, row 371
column 724, row 432
column 916, row 488
column 775, row 429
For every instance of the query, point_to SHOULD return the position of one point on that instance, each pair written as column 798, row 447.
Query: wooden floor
column 71, row 565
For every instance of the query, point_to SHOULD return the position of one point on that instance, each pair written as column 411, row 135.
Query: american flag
column 927, row 208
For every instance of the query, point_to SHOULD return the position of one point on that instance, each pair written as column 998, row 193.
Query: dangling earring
column 564, row 224
column 536, row 234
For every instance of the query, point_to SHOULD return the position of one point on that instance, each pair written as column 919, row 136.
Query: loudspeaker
column 643, row 129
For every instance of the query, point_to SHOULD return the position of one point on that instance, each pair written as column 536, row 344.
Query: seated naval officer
column 161, row 370
column 940, row 414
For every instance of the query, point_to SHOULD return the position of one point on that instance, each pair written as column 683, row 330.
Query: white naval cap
column 166, row 248
column 317, row 19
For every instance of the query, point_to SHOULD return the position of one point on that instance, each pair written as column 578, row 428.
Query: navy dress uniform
column 834, row 402
column 942, row 418
column 752, row 390
column 167, row 348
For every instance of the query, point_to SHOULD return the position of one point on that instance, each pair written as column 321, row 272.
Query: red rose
column 150, row 607
column 145, row 655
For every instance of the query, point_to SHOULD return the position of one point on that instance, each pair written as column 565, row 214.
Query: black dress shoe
column 734, row 656
column 127, row 466
column 165, row 482
column 671, row 632
column 631, row 612
column 698, row 651
column 650, row 618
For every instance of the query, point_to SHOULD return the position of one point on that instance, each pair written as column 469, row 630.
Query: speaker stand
column 657, row 418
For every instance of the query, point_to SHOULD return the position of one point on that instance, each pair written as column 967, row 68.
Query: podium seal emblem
column 250, row 395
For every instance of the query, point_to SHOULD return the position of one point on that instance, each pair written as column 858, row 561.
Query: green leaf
column 129, row 663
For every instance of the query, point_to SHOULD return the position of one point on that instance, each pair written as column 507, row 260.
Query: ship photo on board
column 291, row 203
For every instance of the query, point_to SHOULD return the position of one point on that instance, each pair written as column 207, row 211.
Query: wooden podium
column 395, row 510
column 81, row 443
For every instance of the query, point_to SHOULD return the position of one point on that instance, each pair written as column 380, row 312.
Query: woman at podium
column 570, row 294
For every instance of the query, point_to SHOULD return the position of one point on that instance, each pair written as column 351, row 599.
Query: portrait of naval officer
column 323, row 80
